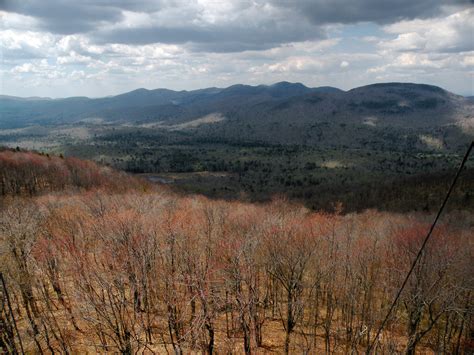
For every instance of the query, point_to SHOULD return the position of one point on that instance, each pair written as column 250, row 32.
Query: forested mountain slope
column 391, row 103
column 155, row 272
column 26, row 173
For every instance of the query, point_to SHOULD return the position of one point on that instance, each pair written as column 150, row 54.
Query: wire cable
column 428, row 235
column 7, row 296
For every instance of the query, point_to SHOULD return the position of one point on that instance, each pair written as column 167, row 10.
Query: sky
column 95, row 48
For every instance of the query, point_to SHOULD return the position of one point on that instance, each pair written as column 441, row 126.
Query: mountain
column 328, row 89
column 390, row 99
column 287, row 113
column 373, row 114
column 142, row 104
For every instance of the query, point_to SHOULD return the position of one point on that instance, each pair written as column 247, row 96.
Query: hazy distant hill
column 282, row 99
column 288, row 113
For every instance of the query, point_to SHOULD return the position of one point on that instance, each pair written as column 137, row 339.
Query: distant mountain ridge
column 280, row 113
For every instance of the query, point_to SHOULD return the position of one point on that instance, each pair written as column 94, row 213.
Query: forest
column 390, row 170
column 94, row 260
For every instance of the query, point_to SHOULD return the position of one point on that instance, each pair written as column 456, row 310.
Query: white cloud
column 17, row 39
column 17, row 21
column 437, row 50
column 297, row 64
column 443, row 34
column 468, row 60
column 24, row 68
column 73, row 58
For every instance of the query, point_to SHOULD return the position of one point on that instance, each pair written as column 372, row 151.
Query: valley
column 386, row 146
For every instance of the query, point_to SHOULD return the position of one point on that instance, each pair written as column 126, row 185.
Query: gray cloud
column 65, row 17
column 215, row 38
column 378, row 11
column 295, row 20
column 245, row 27
column 77, row 16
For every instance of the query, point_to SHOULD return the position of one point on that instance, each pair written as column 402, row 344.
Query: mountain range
column 283, row 113
column 164, row 104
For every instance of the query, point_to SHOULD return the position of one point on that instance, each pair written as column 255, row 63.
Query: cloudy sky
column 96, row 48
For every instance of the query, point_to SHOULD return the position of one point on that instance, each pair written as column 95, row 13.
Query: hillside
column 26, row 173
column 155, row 272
